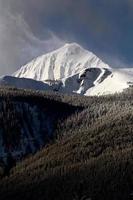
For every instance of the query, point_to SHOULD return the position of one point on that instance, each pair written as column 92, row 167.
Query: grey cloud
column 80, row 12
column 18, row 44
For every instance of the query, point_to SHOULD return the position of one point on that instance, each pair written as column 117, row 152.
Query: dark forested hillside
column 90, row 153
column 28, row 122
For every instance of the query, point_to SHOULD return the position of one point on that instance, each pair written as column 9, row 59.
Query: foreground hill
column 28, row 121
column 91, row 158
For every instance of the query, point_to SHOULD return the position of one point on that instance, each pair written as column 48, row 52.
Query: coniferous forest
column 85, row 151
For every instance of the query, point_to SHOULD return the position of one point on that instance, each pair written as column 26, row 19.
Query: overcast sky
column 29, row 28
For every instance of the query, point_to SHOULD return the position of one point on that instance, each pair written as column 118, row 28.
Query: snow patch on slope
column 116, row 82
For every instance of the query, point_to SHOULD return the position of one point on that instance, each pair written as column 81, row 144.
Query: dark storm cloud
column 30, row 27
column 60, row 14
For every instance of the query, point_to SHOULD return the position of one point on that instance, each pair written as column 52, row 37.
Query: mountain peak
column 72, row 49
column 73, row 44
column 64, row 62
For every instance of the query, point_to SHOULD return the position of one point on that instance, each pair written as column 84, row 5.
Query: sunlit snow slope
column 64, row 62
column 72, row 69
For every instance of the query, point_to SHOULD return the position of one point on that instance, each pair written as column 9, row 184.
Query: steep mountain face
column 71, row 69
column 67, row 61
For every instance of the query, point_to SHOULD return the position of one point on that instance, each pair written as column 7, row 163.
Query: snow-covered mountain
column 72, row 69
column 67, row 61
